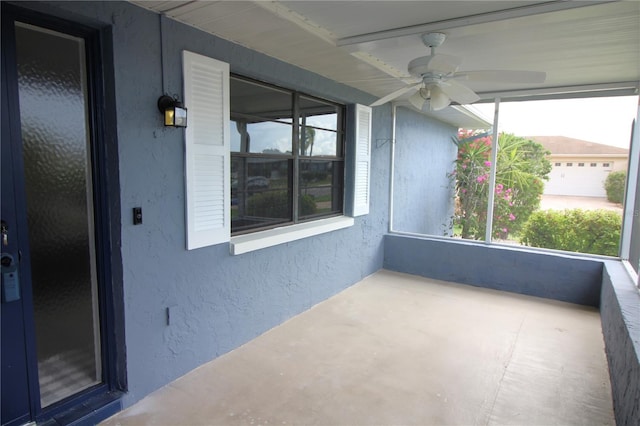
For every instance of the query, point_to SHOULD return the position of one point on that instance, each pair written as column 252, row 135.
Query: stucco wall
column 620, row 313
column 218, row 301
column 552, row 276
column 424, row 154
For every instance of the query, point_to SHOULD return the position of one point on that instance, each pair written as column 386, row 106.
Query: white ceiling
column 367, row 44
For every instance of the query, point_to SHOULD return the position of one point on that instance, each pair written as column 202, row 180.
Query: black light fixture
column 175, row 114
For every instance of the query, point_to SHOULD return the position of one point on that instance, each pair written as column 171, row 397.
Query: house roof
column 562, row 145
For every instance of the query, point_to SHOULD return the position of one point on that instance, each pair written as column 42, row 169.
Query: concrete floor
column 399, row 349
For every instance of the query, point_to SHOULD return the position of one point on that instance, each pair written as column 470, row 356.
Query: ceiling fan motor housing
column 420, row 66
column 433, row 39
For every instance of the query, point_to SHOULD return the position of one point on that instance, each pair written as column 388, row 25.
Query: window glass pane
column 319, row 125
column 261, row 137
column 260, row 192
column 316, row 142
column 320, row 188
column 268, row 138
column 261, row 118
column 253, row 99
column 318, row 114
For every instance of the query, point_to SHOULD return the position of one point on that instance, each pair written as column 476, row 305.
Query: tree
column 308, row 137
column 521, row 169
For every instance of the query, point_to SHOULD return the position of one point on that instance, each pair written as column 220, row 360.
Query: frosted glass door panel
column 57, row 168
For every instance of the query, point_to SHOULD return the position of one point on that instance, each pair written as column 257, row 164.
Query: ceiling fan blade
column 394, row 95
column 444, row 63
column 503, row 76
column 458, row 92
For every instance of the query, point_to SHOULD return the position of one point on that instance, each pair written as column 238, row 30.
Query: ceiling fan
column 440, row 80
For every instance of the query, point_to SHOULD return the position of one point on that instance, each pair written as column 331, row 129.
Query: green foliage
column 307, row 205
column 275, row 204
column 615, row 185
column 582, row 231
column 522, row 166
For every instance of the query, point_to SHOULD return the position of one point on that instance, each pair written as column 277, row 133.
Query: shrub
column 614, row 185
column 582, row 231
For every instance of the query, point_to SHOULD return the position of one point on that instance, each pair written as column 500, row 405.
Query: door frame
column 106, row 199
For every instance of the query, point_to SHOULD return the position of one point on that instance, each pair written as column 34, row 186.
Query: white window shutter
column 362, row 161
column 207, row 150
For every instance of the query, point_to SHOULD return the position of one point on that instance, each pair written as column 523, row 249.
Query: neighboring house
column 579, row 167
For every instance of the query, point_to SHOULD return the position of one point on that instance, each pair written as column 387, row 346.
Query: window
column 580, row 164
column 593, row 164
column 569, row 164
column 282, row 151
column 606, row 165
column 287, row 156
column 558, row 164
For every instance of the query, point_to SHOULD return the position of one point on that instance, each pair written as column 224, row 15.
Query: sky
column 601, row 120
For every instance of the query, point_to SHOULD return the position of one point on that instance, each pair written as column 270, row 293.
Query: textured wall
column 552, row 276
column 620, row 313
column 218, row 301
column 424, row 154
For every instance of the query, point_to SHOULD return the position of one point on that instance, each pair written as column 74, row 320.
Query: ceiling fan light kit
column 440, row 78
column 430, row 98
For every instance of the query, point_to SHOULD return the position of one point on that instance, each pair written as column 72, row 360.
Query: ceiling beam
column 624, row 88
column 482, row 18
column 281, row 10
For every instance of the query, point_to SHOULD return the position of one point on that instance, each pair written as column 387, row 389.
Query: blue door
column 52, row 345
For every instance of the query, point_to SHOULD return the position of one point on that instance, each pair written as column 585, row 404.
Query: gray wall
column 553, row 276
column 620, row 313
column 219, row 301
column 424, row 155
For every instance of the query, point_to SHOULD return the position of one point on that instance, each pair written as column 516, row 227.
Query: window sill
column 272, row 237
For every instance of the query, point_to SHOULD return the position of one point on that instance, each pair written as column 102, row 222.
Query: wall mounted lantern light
column 175, row 114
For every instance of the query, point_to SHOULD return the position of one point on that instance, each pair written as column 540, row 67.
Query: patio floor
column 400, row 349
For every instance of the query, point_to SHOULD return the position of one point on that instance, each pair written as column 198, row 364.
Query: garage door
column 580, row 179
